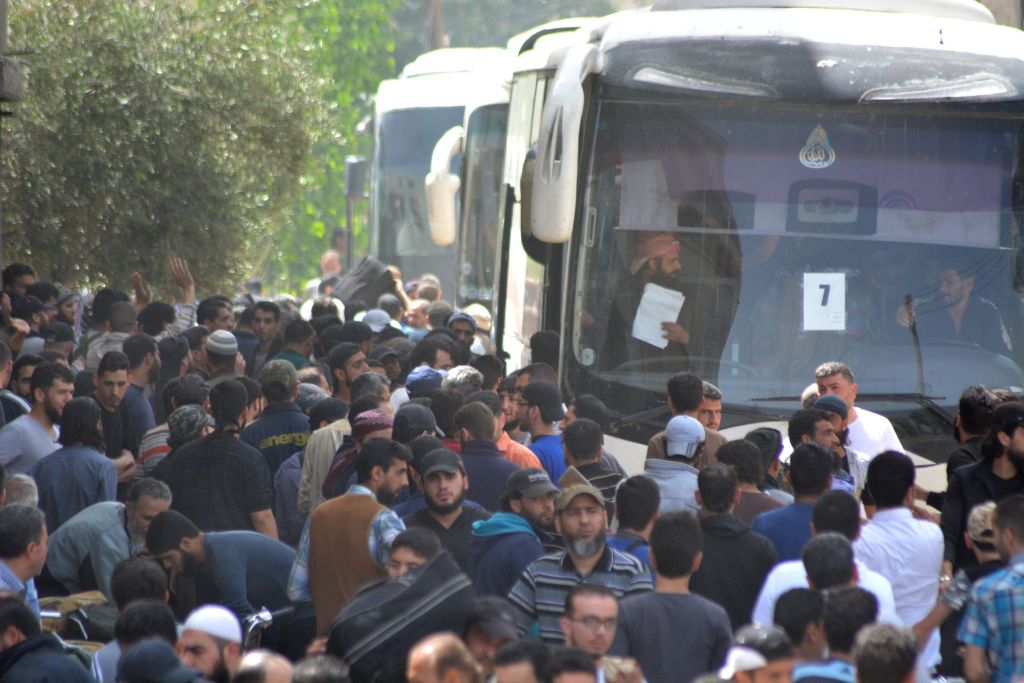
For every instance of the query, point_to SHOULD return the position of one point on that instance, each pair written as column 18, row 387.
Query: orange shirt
column 516, row 452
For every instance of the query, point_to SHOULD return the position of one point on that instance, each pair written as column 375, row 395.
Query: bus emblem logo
column 817, row 153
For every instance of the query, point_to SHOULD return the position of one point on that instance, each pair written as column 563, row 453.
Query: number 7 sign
column 824, row 302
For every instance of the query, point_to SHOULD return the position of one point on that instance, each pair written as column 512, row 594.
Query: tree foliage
column 151, row 130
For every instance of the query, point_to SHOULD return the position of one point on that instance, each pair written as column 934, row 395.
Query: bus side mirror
column 442, row 186
column 554, row 180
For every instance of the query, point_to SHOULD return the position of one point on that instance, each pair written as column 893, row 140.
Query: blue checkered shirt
column 26, row 589
column 994, row 621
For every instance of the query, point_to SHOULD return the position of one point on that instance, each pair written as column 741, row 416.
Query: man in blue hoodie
column 503, row 545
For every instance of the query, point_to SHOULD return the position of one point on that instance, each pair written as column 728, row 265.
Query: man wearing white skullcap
column 211, row 641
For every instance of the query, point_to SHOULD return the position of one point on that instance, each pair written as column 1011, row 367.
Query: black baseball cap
column 58, row 332
column 411, row 420
column 441, row 460
column 153, row 661
column 24, row 307
column 495, row 618
column 532, row 482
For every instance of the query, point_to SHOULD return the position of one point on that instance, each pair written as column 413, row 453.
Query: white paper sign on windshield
column 657, row 305
column 824, row 302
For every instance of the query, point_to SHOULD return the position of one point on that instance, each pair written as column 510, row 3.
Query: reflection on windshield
column 481, row 220
column 749, row 247
column 405, row 142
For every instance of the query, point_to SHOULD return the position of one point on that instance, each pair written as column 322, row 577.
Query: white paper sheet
column 824, row 302
column 657, row 305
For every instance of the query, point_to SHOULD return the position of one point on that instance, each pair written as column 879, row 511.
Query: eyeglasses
column 594, row 624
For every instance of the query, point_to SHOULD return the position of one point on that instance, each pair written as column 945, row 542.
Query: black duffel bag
column 382, row 622
column 365, row 282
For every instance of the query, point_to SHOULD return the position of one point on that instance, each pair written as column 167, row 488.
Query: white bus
column 746, row 189
column 411, row 112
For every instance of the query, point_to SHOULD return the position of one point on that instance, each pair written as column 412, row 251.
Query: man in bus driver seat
column 957, row 314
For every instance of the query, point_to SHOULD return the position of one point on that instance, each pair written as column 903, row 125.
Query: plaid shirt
column 385, row 526
column 994, row 621
column 539, row 594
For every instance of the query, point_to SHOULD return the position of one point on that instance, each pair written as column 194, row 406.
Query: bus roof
column 969, row 10
column 440, row 78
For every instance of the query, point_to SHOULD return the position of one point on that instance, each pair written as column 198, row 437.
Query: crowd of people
column 272, row 490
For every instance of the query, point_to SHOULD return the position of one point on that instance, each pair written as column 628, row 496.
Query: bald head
column 442, row 658
column 263, row 666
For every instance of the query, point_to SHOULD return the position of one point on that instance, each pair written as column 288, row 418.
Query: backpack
column 382, row 622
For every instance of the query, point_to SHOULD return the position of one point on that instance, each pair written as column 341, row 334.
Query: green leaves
column 191, row 129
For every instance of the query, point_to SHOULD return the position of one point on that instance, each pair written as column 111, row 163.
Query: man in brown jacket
column 685, row 394
column 347, row 541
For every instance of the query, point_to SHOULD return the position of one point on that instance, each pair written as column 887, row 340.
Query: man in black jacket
column 736, row 560
column 27, row 655
column 999, row 474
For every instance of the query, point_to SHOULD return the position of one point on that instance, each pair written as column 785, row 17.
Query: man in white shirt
column 905, row 550
column 837, row 512
column 869, row 433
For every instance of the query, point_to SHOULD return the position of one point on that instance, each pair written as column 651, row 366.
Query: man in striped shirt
column 539, row 594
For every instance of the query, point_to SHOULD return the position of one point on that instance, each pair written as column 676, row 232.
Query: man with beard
column 84, row 550
column 211, row 643
column 347, row 541
column 241, row 570
column 219, row 482
column 31, row 437
column 110, row 383
column 540, row 593
column 999, row 474
column 143, row 371
column 346, row 361
column 504, row 545
column 444, row 486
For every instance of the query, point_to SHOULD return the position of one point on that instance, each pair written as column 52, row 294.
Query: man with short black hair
column 522, row 661
column 591, row 613
column 266, row 322
column 347, row 540
column 241, row 570
column 299, row 340
column 219, row 482
column 685, row 395
column 745, row 460
column 812, row 426
column 884, row 654
column 513, row 451
column 847, row 610
column 486, row 469
column 789, row 528
column 143, row 370
column 410, row 549
column 637, row 500
column 283, row 428
column 674, row 634
column 446, row 513
column 12, row 404
column 18, row 277
column 800, row 612
column 110, row 384
column 583, row 444
column 347, row 361
column 539, row 595
column 905, row 550
column 122, row 324
column 504, row 545
column 214, row 313
column 736, row 560
column 539, row 408
column 85, row 549
column 29, row 654
column 33, row 436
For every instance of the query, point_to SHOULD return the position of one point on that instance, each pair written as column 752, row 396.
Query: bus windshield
column 749, row 244
column 481, row 220
column 405, row 140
